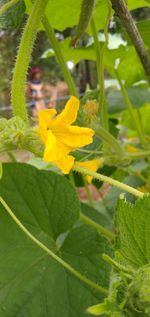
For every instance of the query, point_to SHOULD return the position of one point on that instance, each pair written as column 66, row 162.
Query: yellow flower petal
column 69, row 114
column 131, row 148
column 45, row 117
column 57, row 153
column 92, row 165
column 74, row 136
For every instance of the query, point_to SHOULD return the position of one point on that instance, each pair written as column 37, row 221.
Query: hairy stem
column 59, row 55
column 67, row 266
column 23, row 59
column 125, row 16
column 108, row 180
column 100, row 51
column 7, row 6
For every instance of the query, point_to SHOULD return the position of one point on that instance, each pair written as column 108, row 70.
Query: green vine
column 109, row 180
column 59, row 55
column 23, row 59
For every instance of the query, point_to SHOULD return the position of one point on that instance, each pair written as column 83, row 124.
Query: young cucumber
column 84, row 19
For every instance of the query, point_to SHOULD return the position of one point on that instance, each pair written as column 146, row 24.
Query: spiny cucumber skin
column 84, row 19
column 23, row 59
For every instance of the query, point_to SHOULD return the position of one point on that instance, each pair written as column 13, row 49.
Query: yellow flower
column 92, row 165
column 131, row 148
column 60, row 137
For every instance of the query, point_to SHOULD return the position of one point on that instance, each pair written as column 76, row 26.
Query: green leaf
column 133, row 226
column 34, row 285
column 31, row 283
column 28, row 191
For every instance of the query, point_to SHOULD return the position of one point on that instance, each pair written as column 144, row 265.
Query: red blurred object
column 33, row 71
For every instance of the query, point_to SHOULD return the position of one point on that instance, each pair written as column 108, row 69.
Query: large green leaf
column 31, row 283
column 133, row 225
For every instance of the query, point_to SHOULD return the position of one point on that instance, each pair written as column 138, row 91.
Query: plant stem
column 7, row 5
column 55, row 44
column 88, row 192
column 100, row 51
column 23, row 59
column 117, row 265
column 141, row 154
column 125, row 16
column 67, row 266
column 100, row 65
column 71, row 177
column 103, row 231
column 108, row 180
column 134, row 117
